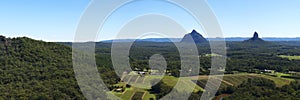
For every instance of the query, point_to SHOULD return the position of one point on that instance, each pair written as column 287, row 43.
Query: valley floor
column 140, row 85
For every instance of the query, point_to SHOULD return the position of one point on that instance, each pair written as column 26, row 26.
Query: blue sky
column 56, row 20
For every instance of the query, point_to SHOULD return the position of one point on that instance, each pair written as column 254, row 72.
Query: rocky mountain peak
column 255, row 38
column 195, row 37
column 255, row 35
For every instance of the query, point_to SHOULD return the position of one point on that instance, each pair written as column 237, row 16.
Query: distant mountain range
column 196, row 37
column 210, row 39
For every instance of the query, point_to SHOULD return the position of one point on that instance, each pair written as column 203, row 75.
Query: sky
column 57, row 20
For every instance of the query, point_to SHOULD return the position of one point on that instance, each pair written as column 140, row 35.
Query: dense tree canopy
column 263, row 89
column 36, row 70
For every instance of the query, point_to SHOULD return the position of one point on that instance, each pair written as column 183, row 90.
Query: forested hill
column 31, row 69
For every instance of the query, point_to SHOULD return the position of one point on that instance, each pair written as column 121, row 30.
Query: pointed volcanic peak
column 255, row 38
column 193, row 37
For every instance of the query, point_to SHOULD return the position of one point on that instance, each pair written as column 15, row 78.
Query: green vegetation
column 36, row 70
column 138, row 96
column 262, row 89
column 134, row 92
column 278, row 81
column 212, row 55
column 290, row 57
column 127, row 94
column 169, row 82
column 33, row 69
column 237, row 79
column 278, row 74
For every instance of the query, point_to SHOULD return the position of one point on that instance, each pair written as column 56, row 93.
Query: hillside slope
column 31, row 69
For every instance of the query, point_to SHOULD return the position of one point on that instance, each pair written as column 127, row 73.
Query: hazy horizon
column 245, row 38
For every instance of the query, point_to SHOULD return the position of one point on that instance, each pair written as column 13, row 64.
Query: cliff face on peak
column 255, row 38
column 193, row 37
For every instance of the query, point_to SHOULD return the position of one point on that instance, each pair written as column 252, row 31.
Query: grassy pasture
column 138, row 96
column 212, row 55
column 237, row 79
column 290, row 57
column 187, row 83
column 278, row 81
column 184, row 84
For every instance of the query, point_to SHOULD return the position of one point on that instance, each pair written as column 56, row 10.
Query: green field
column 212, row 55
column 237, row 79
column 277, row 74
column 228, row 80
column 278, row 80
column 196, row 83
column 129, row 93
column 142, row 84
column 290, row 57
